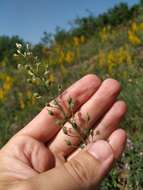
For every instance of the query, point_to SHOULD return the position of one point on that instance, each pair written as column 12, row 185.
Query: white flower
column 27, row 46
column 18, row 45
column 29, row 53
column 15, row 55
column 19, row 66
column 30, row 73
column 46, row 73
column 18, row 51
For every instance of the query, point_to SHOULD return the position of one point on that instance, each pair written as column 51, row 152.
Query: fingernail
column 101, row 150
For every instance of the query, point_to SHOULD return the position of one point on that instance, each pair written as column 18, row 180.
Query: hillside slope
column 110, row 52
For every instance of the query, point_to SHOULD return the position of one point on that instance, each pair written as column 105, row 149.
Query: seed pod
column 82, row 146
column 65, row 130
column 74, row 125
column 59, row 123
column 70, row 103
column 50, row 112
column 55, row 102
column 68, row 142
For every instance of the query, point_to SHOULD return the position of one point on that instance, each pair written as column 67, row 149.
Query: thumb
column 86, row 169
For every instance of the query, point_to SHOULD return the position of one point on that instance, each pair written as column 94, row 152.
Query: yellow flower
column 2, row 95
column 69, row 57
column 133, row 38
column 111, row 60
column 61, row 57
column 111, row 57
column 82, row 39
column 134, row 27
column 7, row 83
column 124, row 55
column 104, row 33
column 121, row 54
column 101, row 58
column 79, row 40
column 21, row 101
column 117, row 57
column 76, row 41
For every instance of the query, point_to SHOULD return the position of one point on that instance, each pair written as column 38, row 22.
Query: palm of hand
column 24, row 157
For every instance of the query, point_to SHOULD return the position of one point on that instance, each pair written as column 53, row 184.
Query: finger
column 96, row 107
column 121, row 135
column 86, row 170
column 110, row 121
column 43, row 126
column 108, row 124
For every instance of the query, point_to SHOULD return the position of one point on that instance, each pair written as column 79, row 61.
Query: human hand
column 37, row 157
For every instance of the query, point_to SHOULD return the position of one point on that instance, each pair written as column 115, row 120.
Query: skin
column 38, row 158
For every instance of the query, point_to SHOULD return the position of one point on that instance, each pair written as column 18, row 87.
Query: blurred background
column 44, row 44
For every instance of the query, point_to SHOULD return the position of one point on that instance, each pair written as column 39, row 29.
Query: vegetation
column 110, row 45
